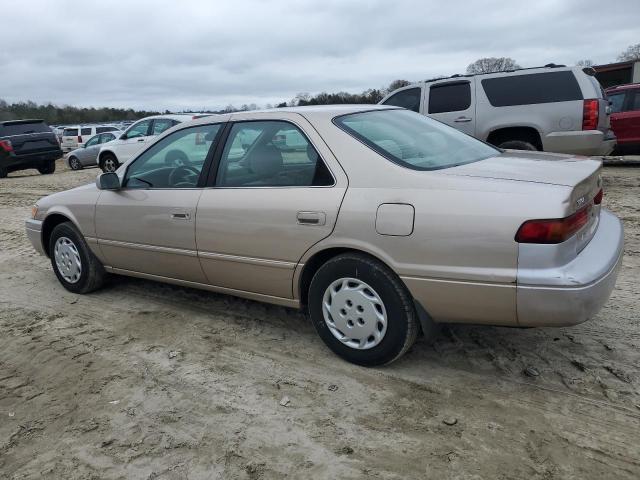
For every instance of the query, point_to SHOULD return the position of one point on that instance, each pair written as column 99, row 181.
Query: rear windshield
column 532, row 88
column 23, row 128
column 413, row 140
column 70, row 132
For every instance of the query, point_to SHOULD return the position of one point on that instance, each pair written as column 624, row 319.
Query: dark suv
column 27, row 144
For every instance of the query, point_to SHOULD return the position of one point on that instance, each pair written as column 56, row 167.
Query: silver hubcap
column 67, row 260
column 109, row 165
column 354, row 313
column 74, row 164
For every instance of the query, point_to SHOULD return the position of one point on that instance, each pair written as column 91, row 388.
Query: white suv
column 76, row 135
column 135, row 137
column 552, row 108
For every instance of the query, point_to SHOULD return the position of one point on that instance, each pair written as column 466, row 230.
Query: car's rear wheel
column 517, row 145
column 3, row 172
column 74, row 163
column 361, row 310
column 109, row 163
column 75, row 265
column 47, row 167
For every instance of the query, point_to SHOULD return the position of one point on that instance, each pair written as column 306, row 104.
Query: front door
column 87, row 155
column 133, row 140
column 276, row 193
column 148, row 226
column 453, row 103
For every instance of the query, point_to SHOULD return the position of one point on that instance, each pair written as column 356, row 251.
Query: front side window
column 617, row 102
column 449, row 97
column 176, row 161
column 140, row 129
column 414, row 141
column 409, row 99
column 532, row 89
column 634, row 104
column 161, row 124
column 107, row 137
column 85, row 131
column 270, row 154
column 93, row 141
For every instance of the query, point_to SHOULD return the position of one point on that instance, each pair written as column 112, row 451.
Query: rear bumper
column 584, row 142
column 19, row 162
column 574, row 292
column 34, row 234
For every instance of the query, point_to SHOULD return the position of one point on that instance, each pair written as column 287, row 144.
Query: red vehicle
column 625, row 115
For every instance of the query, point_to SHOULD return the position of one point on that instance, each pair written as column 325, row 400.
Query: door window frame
column 206, row 166
column 217, row 157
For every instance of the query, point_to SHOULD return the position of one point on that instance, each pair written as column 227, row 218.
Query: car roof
column 628, row 86
column 18, row 122
column 316, row 111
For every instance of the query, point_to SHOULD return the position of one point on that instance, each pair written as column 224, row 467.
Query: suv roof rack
column 467, row 75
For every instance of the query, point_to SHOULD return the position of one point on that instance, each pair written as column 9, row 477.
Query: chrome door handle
column 462, row 119
column 181, row 215
column 141, row 139
column 311, row 218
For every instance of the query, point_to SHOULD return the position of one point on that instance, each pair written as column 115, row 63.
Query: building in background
column 619, row 73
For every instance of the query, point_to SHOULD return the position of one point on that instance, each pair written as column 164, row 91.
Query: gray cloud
column 202, row 54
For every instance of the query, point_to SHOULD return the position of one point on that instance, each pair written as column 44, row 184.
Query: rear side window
column 85, row 131
column 532, row 89
column 409, row 99
column 617, row 102
column 70, row 132
column 24, row 128
column 105, row 129
column 634, row 104
column 449, row 97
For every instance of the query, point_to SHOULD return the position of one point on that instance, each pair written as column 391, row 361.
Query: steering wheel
column 176, row 158
column 179, row 176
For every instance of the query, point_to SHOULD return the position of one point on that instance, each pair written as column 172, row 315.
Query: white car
column 76, row 135
column 134, row 139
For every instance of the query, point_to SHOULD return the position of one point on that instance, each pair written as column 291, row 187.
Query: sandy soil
column 144, row 380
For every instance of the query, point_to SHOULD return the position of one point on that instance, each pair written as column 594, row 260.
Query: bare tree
column 396, row 84
column 631, row 53
column 492, row 64
column 584, row 63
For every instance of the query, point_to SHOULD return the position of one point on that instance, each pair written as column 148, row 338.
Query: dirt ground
column 142, row 380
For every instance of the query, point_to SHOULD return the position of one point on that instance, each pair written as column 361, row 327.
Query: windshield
column 413, row 140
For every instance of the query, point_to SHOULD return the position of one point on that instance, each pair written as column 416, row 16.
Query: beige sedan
column 378, row 220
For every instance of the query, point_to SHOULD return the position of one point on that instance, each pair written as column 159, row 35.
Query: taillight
column 6, row 146
column 555, row 230
column 590, row 114
column 79, row 139
column 597, row 200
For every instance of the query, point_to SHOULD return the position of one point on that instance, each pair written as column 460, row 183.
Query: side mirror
column 123, row 136
column 108, row 181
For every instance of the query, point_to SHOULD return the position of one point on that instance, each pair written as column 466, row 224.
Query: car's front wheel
column 75, row 265
column 47, row 168
column 75, row 164
column 361, row 310
column 109, row 163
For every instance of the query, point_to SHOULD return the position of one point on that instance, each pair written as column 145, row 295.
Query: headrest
column 266, row 160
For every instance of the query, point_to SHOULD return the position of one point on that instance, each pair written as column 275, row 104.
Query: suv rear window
column 23, row 128
column 409, row 99
column 532, row 88
column 70, row 132
column 449, row 97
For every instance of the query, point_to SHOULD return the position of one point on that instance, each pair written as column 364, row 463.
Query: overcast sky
column 206, row 54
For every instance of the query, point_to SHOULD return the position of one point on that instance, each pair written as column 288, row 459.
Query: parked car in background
column 27, row 144
column 87, row 154
column 74, row 136
column 380, row 225
column 136, row 137
column 552, row 108
column 625, row 116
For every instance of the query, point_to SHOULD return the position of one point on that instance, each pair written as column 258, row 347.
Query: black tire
column 3, row 172
column 518, row 145
column 75, row 164
column 92, row 274
column 47, row 168
column 109, row 163
column 402, row 319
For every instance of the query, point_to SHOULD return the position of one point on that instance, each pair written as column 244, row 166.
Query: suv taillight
column 590, row 114
column 6, row 146
column 79, row 139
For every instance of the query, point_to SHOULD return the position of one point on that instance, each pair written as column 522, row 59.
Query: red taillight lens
column 555, row 230
column 6, row 146
column 79, row 139
column 597, row 200
column 590, row 114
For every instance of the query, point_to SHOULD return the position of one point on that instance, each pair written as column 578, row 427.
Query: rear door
column 88, row 154
column 453, row 103
column 276, row 192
